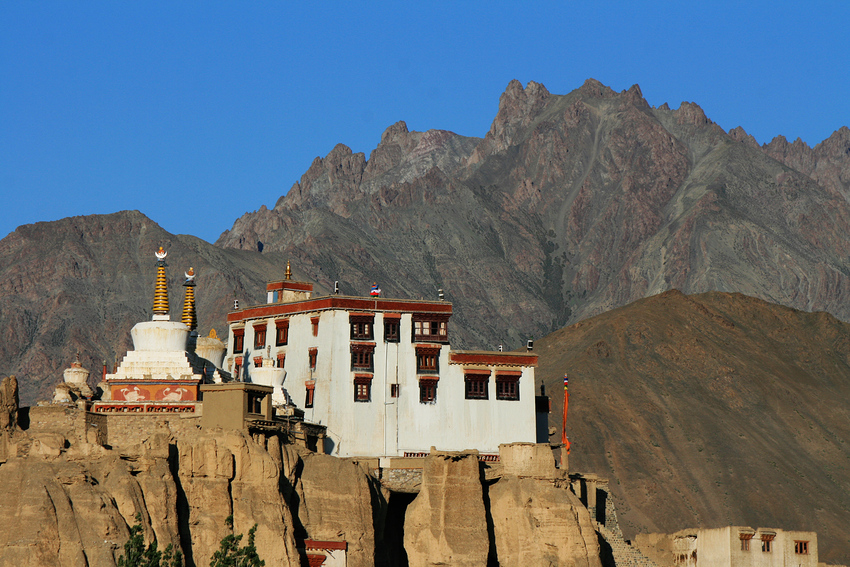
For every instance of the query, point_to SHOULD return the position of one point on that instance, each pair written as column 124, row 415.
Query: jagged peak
column 691, row 113
column 394, row 132
column 595, row 89
column 837, row 141
column 340, row 150
column 740, row 135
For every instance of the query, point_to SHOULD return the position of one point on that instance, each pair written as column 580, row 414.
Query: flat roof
column 344, row 302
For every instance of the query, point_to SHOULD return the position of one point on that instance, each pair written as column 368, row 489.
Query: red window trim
column 258, row 362
column 281, row 359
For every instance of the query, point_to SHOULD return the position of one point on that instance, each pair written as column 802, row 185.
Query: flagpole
column 564, row 441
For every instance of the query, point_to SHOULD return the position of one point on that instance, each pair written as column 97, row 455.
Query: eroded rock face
column 8, row 403
column 335, row 502
column 446, row 523
column 536, row 522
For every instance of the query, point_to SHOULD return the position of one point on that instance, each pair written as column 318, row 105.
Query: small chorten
column 288, row 274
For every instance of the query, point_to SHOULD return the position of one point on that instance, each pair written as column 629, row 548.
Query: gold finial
column 190, row 318
column 160, row 292
column 213, row 334
column 288, row 274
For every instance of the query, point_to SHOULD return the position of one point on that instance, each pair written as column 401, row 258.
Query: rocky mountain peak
column 594, row 89
column 740, row 135
column 394, row 132
column 690, row 114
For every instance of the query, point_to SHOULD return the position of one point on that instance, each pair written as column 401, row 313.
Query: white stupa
column 158, row 369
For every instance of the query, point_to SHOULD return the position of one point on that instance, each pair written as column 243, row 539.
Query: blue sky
column 197, row 112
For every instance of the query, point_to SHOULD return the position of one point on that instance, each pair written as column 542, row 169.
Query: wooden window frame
column 238, row 340
column 314, row 323
column 362, row 327
column 476, row 385
column 259, row 336
column 507, row 387
column 237, row 367
column 392, row 329
column 801, row 547
column 281, row 332
column 362, row 387
column 313, row 354
column 281, row 359
column 428, row 389
column 427, row 359
column 766, row 541
column 362, row 356
column 433, row 328
column 310, row 394
column 745, row 541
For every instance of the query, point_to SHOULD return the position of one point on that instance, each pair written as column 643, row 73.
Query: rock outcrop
column 9, row 403
column 446, row 523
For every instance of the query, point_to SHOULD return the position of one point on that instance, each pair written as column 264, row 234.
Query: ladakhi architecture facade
column 380, row 373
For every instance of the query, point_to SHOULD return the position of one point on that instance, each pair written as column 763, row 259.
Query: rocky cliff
column 73, row 500
column 710, row 410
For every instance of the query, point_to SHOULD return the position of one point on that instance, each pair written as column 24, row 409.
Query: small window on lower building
column 314, row 355
column 281, row 359
column 801, row 547
column 255, row 402
column 745, row 540
column 476, row 386
column 308, row 398
column 362, row 388
column 507, row 387
column 314, row 322
column 427, row 390
column 394, row 389
column 766, row 541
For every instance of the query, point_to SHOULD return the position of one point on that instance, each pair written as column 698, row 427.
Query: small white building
column 380, row 373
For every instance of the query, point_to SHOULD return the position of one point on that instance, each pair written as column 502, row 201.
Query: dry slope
column 711, row 410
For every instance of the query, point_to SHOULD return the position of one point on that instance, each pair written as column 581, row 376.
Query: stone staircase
column 624, row 555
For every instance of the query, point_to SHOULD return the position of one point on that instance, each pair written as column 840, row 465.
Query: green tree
column 137, row 555
column 229, row 553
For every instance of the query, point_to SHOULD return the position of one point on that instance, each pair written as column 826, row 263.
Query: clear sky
column 197, row 112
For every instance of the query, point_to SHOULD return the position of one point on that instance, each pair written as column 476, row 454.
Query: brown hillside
column 710, row 410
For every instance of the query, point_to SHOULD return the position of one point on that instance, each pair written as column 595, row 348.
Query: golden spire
column 190, row 319
column 288, row 275
column 160, row 292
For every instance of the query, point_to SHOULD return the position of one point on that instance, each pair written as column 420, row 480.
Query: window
column 314, row 354
column 282, row 336
column 766, row 540
column 314, row 321
column 260, row 336
column 281, row 358
column 362, row 356
column 391, row 325
column 745, row 541
column 255, row 402
column 258, row 362
column 310, row 394
column 238, row 340
column 428, row 390
column 361, row 326
column 394, row 388
column 431, row 328
column 801, row 547
column 237, row 367
column 427, row 359
column 362, row 387
column 507, row 386
column 476, row 385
